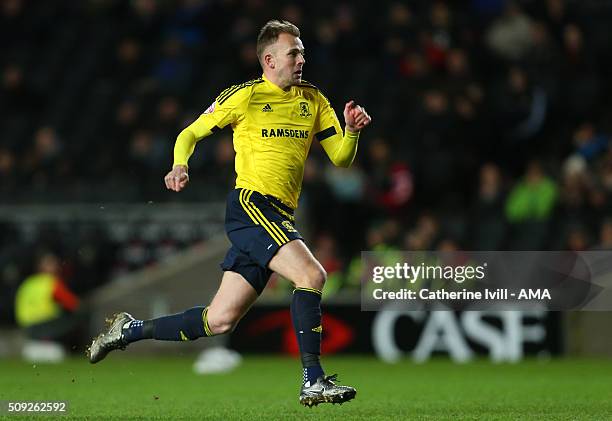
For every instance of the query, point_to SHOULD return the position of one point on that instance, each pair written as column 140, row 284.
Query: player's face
column 289, row 59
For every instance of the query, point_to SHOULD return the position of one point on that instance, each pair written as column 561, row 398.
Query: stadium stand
column 492, row 123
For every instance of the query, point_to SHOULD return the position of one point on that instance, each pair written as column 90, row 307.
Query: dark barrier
column 393, row 335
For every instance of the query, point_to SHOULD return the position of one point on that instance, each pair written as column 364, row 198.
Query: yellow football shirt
column 273, row 132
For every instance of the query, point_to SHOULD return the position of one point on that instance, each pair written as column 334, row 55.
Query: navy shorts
column 257, row 226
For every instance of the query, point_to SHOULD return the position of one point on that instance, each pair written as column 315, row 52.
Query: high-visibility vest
column 34, row 301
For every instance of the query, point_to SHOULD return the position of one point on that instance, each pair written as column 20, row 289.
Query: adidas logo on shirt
column 267, row 108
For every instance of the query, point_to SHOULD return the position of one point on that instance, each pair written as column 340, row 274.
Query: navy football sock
column 187, row 326
column 306, row 316
column 135, row 330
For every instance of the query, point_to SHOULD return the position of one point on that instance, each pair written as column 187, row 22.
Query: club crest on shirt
column 304, row 109
column 211, row 108
column 287, row 225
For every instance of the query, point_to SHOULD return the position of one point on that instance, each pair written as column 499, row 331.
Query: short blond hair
column 270, row 32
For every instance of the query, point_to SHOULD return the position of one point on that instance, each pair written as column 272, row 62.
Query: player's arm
column 225, row 110
column 341, row 147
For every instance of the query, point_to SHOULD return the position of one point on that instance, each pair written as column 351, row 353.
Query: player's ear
column 269, row 60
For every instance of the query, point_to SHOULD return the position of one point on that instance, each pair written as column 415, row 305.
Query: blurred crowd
column 492, row 118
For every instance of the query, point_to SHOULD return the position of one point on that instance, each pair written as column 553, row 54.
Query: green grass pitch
column 266, row 388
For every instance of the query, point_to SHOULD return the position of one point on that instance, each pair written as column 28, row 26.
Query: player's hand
column 355, row 117
column 177, row 179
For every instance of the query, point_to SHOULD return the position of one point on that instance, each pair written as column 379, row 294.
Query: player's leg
column 262, row 231
column 234, row 297
column 295, row 262
column 231, row 302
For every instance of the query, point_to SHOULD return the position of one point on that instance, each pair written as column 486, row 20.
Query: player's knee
column 223, row 323
column 224, row 327
column 313, row 278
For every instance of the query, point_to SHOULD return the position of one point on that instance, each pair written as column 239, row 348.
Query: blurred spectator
column 448, row 245
column 347, row 186
column 186, row 24
column 605, row 235
column 8, row 173
column 167, row 122
column 316, row 196
column 128, row 65
column 44, row 163
column 144, row 19
column 249, row 63
column 488, row 225
column 293, row 13
column 47, row 311
column 576, row 186
column 224, row 174
column 391, row 184
column 543, row 55
column 17, row 96
column 529, row 209
column 603, row 170
column 556, row 16
column 325, row 250
column 533, row 198
column 147, row 153
column 579, row 76
column 522, row 106
column 435, row 166
column 577, row 239
column 424, row 235
column 173, row 71
column 509, row 36
column 588, row 143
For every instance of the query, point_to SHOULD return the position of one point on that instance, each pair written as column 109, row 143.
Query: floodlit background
column 491, row 131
